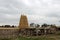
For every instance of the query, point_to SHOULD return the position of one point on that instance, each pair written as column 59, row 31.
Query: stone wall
column 9, row 32
column 15, row 32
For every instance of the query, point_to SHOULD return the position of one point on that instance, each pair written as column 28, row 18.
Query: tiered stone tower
column 23, row 22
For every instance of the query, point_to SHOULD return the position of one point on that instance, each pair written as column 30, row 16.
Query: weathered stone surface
column 9, row 32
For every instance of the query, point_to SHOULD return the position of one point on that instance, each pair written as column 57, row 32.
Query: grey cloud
column 54, row 14
column 5, row 19
column 15, row 8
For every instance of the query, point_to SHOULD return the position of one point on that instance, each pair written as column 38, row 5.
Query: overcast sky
column 37, row 11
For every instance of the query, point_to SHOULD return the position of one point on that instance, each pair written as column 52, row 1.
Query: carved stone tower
column 23, row 22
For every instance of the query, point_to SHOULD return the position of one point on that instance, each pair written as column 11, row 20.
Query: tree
column 53, row 26
column 37, row 25
column 13, row 26
column 32, row 25
column 44, row 25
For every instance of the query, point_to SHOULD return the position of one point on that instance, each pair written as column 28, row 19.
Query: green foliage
column 38, row 38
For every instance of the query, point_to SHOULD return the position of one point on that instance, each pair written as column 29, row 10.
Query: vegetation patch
column 38, row 38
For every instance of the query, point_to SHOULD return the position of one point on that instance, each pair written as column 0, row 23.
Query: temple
column 23, row 22
column 23, row 29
